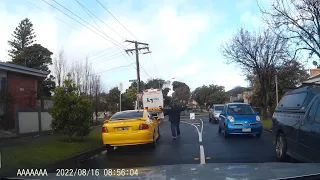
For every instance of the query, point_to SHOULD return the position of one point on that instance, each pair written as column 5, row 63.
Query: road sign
column 192, row 116
column 139, row 96
column 133, row 80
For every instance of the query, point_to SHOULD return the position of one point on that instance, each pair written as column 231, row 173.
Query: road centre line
column 202, row 155
column 202, row 159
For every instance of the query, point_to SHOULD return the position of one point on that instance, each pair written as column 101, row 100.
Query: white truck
column 152, row 100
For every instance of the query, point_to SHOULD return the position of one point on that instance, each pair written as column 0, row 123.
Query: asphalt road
column 187, row 149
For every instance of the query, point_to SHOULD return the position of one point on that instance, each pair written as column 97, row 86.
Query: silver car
column 214, row 112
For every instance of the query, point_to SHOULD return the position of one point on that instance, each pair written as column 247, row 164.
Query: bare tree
column 297, row 21
column 76, row 72
column 258, row 55
column 60, row 68
column 86, row 77
column 96, row 89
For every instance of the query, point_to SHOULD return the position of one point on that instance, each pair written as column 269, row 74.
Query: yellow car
column 131, row 127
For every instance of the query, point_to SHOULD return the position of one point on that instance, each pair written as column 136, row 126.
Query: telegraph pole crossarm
column 129, row 50
column 146, row 44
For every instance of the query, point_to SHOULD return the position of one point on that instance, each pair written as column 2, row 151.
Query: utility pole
column 276, row 81
column 136, row 50
column 120, row 89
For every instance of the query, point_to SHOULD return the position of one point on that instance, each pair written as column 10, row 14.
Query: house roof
column 22, row 69
column 313, row 79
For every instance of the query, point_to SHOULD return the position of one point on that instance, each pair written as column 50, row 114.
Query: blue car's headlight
column 231, row 118
column 258, row 118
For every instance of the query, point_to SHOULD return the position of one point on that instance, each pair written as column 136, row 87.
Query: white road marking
column 202, row 159
column 202, row 156
column 199, row 132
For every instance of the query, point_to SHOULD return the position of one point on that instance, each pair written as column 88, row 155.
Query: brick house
column 20, row 86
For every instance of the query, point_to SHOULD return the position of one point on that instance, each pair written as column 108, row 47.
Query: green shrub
column 70, row 111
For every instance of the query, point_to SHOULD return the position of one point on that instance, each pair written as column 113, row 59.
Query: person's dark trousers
column 175, row 128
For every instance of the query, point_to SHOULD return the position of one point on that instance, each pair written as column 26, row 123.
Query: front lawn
column 36, row 155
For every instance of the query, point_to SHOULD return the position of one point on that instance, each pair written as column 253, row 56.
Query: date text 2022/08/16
column 79, row 172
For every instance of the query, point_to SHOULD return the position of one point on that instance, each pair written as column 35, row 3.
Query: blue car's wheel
column 258, row 135
column 219, row 129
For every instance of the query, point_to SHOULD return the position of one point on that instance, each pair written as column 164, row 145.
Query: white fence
column 32, row 121
column 46, row 104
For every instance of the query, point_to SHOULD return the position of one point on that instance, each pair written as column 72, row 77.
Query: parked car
column 214, row 112
column 130, row 127
column 239, row 118
column 296, row 125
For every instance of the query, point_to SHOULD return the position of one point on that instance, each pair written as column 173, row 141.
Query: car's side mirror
column 257, row 113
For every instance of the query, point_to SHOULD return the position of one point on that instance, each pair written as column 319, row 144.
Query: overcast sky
column 184, row 36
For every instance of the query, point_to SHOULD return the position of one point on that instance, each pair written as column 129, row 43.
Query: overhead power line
column 110, row 39
column 114, row 68
column 56, row 17
column 73, row 27
column 99, row 19
column 126, row 30
column 116, row 44
column 116, row 19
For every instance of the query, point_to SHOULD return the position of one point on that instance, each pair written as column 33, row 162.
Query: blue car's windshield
column 240, row 109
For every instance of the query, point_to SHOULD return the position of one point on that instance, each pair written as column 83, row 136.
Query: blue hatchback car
column 239, row 118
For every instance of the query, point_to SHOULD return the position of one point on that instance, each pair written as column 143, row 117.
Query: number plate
column 246, row 130
column 123, row 128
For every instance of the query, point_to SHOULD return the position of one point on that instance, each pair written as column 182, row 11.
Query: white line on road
column 199, row 132
column 202, row 157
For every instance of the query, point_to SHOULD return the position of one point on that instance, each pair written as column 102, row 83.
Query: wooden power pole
column 136, row 50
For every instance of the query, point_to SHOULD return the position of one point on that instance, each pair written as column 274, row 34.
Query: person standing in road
column 174, row 118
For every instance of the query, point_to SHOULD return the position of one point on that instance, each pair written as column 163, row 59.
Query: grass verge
column 35, row 155
column 266, row 124
column 197, row 114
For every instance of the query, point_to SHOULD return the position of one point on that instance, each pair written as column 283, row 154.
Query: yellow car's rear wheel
column 109, row 148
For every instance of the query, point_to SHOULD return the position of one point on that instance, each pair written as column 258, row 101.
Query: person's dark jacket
column 174, row 113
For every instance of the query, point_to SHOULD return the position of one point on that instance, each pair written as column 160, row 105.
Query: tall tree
column 35, row 56
column 257, row 54
column 155, row 83
column 142, row 85
column 23, row 37
column 290, row 75
column 209, row 95
column 181, row 94
column 298, row 21
column 128, row 99
column 166, row 99
column 113, row 99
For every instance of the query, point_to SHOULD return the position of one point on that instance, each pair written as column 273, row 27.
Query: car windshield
column 218, row 108
column 127, row 115
column 240, row 109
